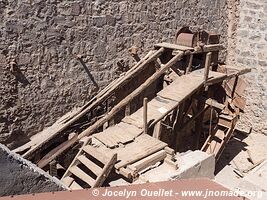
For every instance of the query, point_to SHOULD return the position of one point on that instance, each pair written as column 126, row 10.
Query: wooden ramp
column 90, row 168
column 171, row 96
column 216, row 142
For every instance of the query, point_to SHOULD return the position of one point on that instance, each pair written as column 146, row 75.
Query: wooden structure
column 127, row 123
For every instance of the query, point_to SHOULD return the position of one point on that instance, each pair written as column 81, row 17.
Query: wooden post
column 189, row 66
column 128, row 109
column 157, row 130
column 199, row 122
column 145, row 115
column 177, row 126
column 207, row 68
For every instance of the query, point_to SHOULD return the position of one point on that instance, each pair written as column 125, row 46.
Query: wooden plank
column 124, row 138
column 156, row 107
column 174, row 46
column 205, row 49
column 143, row 146
column 169, row 151
column 125, row 172
column 90, row 165
column 215, row 142
column 100, row 156
column 148, row 161
column 211, row 102
column 157, row 130
column 127, row 99
column 130, row 129
column 53, row 154
column 239, row 102
column 195, row 80
column 182, row 87
column 106, row 139
column 82, row 175
column 105, row 171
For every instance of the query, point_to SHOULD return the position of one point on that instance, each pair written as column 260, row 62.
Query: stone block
column 75, row 9
column 192, row 164
column 99, row 21
column 111, row 21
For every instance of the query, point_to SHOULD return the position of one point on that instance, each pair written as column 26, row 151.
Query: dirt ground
column 238, row 156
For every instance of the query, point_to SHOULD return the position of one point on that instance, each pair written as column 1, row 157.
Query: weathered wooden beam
column 211, row 102
column 173, row 46
column 204, row 49
column 157, row 130
column 207, row 67
column 177, row 125
column 53, row 154
column 189, row 63
column 199, row 122
column 148, row 161
column 135, row 93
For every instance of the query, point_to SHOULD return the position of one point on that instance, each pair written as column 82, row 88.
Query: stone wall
column 250, row 50
column 40, row 78
column 18, row 176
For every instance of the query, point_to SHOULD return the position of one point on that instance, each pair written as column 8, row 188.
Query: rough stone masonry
column 19, row 176
column 250, row 49
column 40, row 79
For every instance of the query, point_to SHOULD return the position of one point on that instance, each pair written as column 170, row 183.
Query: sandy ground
column 237, row 156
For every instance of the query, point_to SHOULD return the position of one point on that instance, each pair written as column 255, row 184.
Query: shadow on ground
column 232, row 149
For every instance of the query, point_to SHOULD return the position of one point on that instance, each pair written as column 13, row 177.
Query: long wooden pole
column 136, row 92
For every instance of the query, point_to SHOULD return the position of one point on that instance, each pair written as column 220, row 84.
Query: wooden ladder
column 89, row 169
column 216, row 142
